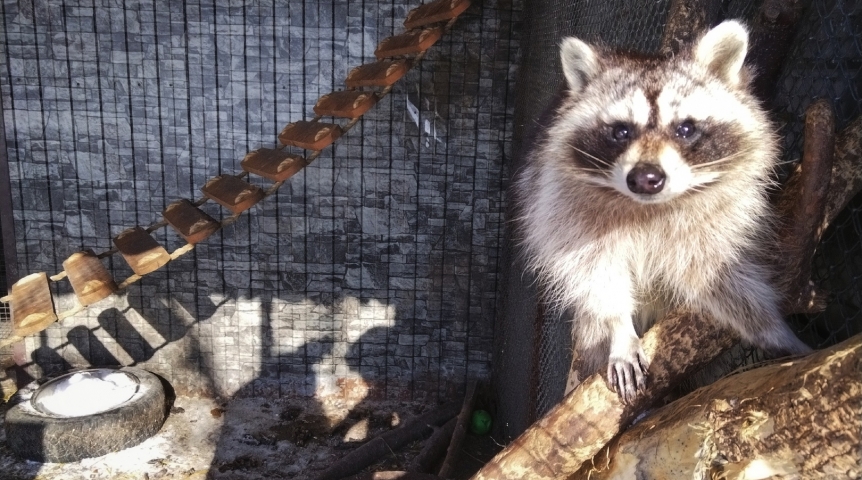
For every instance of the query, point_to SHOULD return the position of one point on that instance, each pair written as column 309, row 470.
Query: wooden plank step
column 141, row 251
column 378, row 74
column 275, row 165
column 32, row 305
column 408, row 43
column 309, row 135
column 232, row 193
column 89, row 278
column 434, row 12
column 345, row 104
column 192, row 223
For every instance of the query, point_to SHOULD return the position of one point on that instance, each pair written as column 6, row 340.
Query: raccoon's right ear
column 580, row 63
column 722, row 51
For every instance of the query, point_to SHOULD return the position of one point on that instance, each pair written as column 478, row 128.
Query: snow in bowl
column 86, row 392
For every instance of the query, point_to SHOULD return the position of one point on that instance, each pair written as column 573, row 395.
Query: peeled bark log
column 588, row 418
column 797, row 419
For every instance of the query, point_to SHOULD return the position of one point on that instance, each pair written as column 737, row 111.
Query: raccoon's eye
column 686, row 129
column 620, row 132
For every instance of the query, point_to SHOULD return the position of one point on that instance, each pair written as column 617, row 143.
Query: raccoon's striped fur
column 648, row 190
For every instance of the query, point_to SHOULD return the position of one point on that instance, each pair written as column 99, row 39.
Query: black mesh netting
column 824, row 61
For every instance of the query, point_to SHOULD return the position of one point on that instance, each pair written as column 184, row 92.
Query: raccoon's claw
column 627, row 373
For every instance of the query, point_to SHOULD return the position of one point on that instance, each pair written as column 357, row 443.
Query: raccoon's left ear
column 722, row 51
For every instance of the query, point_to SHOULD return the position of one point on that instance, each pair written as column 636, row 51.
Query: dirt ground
column 246, row 438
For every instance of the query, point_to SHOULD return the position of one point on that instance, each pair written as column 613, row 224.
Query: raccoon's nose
column 645, row 178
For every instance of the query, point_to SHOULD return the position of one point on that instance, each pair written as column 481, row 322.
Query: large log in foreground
column 589, row 417
column 794, row 419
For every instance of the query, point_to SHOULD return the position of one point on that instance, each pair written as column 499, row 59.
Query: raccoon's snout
column 646, row 178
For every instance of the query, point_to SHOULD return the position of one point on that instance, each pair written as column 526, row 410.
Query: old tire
column 35, row 435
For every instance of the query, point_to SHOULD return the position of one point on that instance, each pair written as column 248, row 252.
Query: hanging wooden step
column 275, row 165
column 434, row 12
column 408, row 43
column 232, row 193
column 32, row 305
column 141, row 251
column 345, row 104
column 192, row 223
column 89, row 278
column 378, row 74
column 309, row 135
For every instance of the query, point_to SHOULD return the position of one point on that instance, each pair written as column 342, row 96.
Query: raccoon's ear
column 580, row 63
column 722, row 51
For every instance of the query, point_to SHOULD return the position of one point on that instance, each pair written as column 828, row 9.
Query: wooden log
column 794, row 419
column 802, row 206
column 588, row 418
column 434, row 449
column 376, row 448
column 460, row 431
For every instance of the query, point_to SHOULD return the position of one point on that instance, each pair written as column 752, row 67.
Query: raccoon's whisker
column 722, row 160
column 602, row 162
column 597, row 171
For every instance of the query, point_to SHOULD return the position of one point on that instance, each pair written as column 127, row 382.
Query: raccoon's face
column 656, row 129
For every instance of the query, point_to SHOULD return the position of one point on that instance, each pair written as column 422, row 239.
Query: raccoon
column 648, row 190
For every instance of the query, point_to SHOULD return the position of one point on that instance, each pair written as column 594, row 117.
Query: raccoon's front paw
column 627, row 367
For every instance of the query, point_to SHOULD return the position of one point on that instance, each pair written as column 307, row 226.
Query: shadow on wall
column 115, row 341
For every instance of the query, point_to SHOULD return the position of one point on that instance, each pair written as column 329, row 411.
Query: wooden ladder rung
column 32, row 305
column 141, row 251
column 192, row 223
column 378, row 74
column 408, row 43
column 232, row 193
column 345, row 104
column 275, row 165
column 90, row 280
column 434, row 12
column 309, row 135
